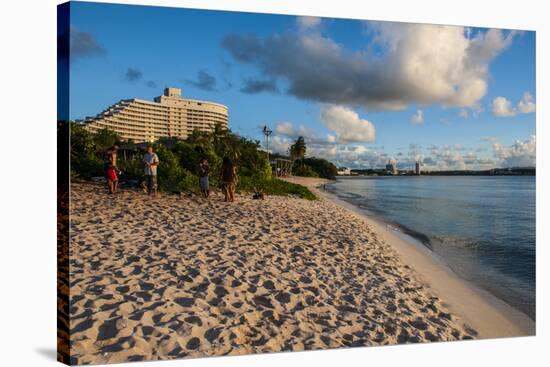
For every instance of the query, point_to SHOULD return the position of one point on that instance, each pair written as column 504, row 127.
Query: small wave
column 458, row 242
column 419, row 236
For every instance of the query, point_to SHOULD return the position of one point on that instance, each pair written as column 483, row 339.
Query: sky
column 360, row 92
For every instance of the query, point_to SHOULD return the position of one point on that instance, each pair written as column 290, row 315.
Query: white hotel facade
column 169, row 115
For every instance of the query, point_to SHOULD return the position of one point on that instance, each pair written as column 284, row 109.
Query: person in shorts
column 111, row 170
column 229, row 179
column 204, row 171
column 151, row 162
column 112, row 179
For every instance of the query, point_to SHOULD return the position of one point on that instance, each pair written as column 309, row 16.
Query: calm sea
column 482, row 227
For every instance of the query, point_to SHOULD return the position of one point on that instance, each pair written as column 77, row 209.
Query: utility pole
column 267, row 131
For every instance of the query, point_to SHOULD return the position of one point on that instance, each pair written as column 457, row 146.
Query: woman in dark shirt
column 229, row 179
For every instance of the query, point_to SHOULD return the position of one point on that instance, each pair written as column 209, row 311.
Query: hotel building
column 168, row 115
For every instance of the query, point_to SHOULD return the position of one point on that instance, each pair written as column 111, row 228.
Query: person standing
column 111, row 170
column 229, row 179
column 204, row 171
column 151, row 162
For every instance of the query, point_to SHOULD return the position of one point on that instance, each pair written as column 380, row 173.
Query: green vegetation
column 275, row 187
column 321, row 167
column 300, row 169
column 309, row 167
column 179, row 160
column 298, row 150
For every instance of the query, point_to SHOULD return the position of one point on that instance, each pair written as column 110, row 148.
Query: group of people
column 228, row 178
column 151, row 161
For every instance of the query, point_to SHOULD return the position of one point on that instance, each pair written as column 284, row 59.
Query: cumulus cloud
column 471, row 111
column 527, row 104
column 253, row 86
column 519, row 154
column 204, row 81
column 502, row 107
column 83, row 44
column 287, row 129
column 133, row 75
column 418, row 63
column 346, row 124
column 308, row 22
column 417, row 118
column 343, row 145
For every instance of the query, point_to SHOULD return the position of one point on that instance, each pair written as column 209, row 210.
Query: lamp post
column 267, row 131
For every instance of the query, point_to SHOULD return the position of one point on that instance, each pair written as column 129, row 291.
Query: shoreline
column 488, row 314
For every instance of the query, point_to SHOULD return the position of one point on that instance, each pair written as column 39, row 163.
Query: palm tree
column 298, row 150
column 225, row 142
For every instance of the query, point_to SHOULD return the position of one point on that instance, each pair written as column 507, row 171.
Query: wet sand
column 171, row 277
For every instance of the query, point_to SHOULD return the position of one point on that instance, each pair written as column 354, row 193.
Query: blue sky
column 361, row 92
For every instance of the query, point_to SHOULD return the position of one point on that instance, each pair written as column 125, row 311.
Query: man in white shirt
column 151, row 161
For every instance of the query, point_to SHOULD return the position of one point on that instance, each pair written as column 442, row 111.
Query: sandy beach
column 173, row 277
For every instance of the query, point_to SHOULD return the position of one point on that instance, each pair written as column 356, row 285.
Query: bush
column 274, row 187
column 190, row 155
column 85, row 162
column 171, row 176
column 132, row 168
column 304, row 171
column 321, row 167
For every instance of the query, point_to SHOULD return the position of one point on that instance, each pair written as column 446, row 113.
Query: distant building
column 169, row 115
column 344, row 171
column 417, row 168
column 391, row 167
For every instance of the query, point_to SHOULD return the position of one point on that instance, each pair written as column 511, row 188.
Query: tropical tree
column 225, row 142
column 298, row 150
column 84, row 160
column 105, row 139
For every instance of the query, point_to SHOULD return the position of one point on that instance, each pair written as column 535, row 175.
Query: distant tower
column 391, row 167
column 417, row 168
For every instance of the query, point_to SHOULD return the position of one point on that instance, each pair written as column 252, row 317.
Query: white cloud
column 502, row 107
column 471, row 111
column 414, row 63
column 285, row 128
column 417, row 118
column 519, row 154
column 346, row 124
column 308, row 22
column 527, row 104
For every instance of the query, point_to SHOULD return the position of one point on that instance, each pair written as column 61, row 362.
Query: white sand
column 182, row 277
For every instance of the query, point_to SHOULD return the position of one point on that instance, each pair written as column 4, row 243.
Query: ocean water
column 482, row 227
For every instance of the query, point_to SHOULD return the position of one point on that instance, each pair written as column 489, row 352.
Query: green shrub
column 171, row 177
column 314, row 167
column 304, row 171
column 274, row 187
column 132, row 167
column 85, row 162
